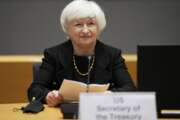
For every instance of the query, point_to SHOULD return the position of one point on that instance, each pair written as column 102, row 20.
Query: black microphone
column 88, row 77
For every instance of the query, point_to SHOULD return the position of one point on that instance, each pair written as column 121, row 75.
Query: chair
column 35, row 76
column 36, row 68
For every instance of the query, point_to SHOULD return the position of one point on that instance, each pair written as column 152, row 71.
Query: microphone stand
column 88, row 77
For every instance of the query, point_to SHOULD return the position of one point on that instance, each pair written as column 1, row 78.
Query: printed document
column 70, row 90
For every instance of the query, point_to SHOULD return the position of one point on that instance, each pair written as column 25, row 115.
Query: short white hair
column 78, row 9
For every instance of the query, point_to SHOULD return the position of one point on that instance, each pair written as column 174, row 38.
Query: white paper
column 70, row 90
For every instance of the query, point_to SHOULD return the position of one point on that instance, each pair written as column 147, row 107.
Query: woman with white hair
column 82, row 21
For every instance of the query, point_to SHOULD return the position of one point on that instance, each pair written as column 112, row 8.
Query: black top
column 57, row 65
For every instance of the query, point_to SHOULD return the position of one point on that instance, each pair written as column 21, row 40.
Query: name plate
column 118, row 106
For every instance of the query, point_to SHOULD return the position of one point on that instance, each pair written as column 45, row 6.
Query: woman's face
column 83, row 32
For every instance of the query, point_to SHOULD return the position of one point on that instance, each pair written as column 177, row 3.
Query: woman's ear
column 67, row 37
column 98, row 35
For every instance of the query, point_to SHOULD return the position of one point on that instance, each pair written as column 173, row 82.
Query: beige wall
column 16, row 75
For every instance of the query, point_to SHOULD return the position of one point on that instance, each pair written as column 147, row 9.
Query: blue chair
column 36, row 68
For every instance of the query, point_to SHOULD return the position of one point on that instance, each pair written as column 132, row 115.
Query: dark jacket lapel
column 65, row 57
column 102, row 74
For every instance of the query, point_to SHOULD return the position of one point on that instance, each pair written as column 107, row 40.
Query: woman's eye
column 78, row 24
column 91, row 23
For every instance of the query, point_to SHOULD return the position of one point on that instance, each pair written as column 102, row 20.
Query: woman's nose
column 85, row 29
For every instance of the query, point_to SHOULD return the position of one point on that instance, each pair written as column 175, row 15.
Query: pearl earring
column 67, row 37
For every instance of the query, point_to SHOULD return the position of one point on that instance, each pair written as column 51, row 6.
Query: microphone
column 88, row 77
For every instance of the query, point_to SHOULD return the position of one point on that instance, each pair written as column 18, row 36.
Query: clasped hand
column 53, row 98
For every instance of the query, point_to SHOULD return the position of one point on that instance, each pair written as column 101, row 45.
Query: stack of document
column 70, row 90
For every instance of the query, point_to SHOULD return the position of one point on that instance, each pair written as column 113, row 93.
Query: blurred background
column 30, row 26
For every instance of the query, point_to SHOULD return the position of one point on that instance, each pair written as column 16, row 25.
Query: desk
column 7, row 113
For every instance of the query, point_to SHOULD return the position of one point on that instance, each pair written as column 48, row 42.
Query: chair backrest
column 158, row 70
column 36, row 68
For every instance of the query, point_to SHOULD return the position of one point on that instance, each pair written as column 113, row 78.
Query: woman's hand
column 53, row 98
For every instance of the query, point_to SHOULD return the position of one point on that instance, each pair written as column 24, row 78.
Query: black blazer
column 57, row 64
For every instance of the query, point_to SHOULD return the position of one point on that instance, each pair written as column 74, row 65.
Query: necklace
column 89, row 69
